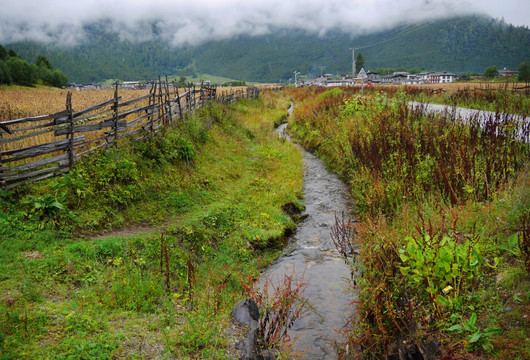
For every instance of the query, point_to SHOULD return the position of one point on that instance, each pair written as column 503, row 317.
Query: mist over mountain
column 457, row 44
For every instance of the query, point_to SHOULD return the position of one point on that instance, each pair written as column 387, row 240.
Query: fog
column 195, row 21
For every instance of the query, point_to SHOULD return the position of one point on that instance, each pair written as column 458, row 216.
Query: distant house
column 362, row 74
column 373, row 77
column 441, row 77
column 339, row 82
column 425, row 77
column 81, row 87
column 508, row 73
column 135, row 85
column 396, row 78
column 413, row 79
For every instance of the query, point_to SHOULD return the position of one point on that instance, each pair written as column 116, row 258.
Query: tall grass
column 392, row 154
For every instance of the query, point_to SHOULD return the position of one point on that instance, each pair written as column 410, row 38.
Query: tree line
column 15, row 70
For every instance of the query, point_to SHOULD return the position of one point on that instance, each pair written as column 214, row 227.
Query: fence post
column 168, row 99
column 116, row 115
column 192, row 97
column 152, row 92
column 70, row 134
column 160, row 101
column 178, row 100
column 189, row 96
column 2, row 181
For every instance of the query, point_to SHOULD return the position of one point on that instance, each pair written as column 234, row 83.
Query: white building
column 440, row 78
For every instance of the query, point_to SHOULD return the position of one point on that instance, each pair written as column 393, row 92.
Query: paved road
column 480, row 116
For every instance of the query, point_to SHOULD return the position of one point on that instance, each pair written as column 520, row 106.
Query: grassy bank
column 206, row 197
column 442, row 227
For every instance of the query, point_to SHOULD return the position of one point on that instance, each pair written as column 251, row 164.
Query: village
column 396, row 78
column 330, row 80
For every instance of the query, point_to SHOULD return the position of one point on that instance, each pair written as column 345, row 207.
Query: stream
column 311, row 253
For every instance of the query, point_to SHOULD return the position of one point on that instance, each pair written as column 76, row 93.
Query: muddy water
column 311, row 253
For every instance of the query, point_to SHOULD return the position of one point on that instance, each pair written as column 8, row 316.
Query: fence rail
column 66, row 136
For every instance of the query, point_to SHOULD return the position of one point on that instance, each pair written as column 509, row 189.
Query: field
column 20, row 103
column 209, row 191
column 25, row 102
column 440, row 206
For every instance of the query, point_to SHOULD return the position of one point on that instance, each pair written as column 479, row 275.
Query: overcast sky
column 195, row 21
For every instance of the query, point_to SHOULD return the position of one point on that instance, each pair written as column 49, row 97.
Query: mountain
column 470, row 43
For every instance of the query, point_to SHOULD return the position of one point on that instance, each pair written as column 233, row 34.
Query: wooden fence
column 59, row 140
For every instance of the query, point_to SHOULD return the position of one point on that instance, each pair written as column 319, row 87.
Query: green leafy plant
column 49, row 206
column 433, row 263
column 74, row 184
column 184, row 150
column 476, row 337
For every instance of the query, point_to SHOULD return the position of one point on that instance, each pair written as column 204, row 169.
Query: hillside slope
column 469, row 43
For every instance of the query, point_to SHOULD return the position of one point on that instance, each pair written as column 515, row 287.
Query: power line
column 456, row 6
column 406, row 56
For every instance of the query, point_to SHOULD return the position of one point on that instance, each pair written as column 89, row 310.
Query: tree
column 359, row 62
column 468, row 74
column 491, row 72
column 21, row 72
column 43, row 62
column 5, row 76
column 12, row 53
column 59, row 79
column 182, row 81
column 524, row 71
column 3, row 53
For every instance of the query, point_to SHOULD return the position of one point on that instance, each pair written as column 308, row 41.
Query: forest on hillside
column 470, row 43
column 15, row 70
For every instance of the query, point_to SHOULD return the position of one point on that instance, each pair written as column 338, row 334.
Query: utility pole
column 353, row 61
column 295, row 74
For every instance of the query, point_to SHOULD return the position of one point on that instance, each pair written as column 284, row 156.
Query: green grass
column 21, row 87
column 214, row 79
column 209, row 193
column 199, row 77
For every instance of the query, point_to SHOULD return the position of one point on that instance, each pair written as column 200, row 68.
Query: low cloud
column 192, row 22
